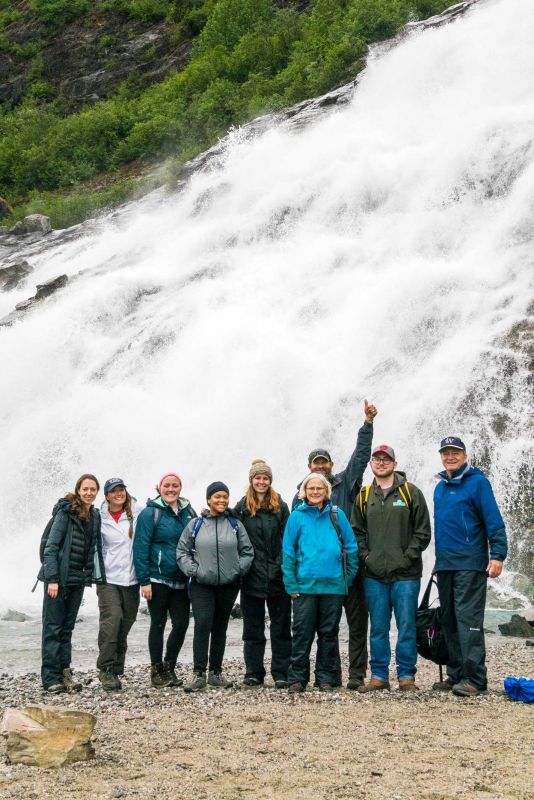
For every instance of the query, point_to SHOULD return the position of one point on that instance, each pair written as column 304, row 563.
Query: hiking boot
column 465, row 689
column 374, row 685
column 355, row 683
column 197, row 684
column 408, row 685
column 218, row 681
column 296, row 688
column 174, row 680
column 252, row 682
column 55, row 688
column 280, row 683
column 159, row 677
column 110, row 682
column 69, row 684
column 443, row 686
column 326, row 687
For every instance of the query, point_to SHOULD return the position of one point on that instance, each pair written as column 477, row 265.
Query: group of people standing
column 343, row 545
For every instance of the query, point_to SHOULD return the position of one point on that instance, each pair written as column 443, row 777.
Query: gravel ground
column 264, row 743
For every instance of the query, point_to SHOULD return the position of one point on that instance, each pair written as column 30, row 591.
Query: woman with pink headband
column 159, row 527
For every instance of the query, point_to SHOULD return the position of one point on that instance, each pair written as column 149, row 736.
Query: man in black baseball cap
column 345, row 487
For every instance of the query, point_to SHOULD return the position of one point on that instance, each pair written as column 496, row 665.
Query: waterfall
column 383, row 252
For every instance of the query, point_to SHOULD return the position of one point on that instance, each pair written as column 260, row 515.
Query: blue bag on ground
column 520, row 688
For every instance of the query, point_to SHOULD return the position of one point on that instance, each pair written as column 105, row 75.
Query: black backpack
column 431, row 642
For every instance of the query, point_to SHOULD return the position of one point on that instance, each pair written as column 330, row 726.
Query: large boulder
column 47, row 736
column 518, row 626
column 12, row 274
column 34, row 223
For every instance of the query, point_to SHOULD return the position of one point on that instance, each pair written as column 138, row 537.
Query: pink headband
column 169, row 475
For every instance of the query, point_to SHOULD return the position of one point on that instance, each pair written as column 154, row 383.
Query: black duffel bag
column 430, row 637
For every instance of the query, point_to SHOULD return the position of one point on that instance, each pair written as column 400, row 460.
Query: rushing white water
column 378, row 254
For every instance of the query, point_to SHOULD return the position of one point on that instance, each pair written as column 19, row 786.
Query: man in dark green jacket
column 391, row 521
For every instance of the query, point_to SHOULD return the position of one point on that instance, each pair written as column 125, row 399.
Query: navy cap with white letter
column 113, row 483
column 452, row 441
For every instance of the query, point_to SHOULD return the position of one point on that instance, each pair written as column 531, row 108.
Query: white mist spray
column 378, row 254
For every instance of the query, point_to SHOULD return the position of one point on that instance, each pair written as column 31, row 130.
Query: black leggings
column 211, row 609
column 175, row 602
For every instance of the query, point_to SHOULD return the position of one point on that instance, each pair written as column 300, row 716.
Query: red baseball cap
column 386, row 449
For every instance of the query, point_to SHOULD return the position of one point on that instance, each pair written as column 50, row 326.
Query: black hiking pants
column 175, row 603
column 211, row 611
column 462, row 597
column 357, row 621
column 59, row 618
column 279, row 608
column 117, row 606
column 315, row 614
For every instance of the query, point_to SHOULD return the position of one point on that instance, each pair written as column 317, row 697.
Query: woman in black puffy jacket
column 68, row 567
column 264, row 514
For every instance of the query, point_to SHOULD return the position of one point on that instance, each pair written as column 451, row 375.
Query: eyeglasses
column 381, row 460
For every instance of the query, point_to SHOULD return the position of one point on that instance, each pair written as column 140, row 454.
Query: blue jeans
column 382, row 598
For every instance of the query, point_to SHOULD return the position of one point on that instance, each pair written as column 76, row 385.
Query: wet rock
column 34, row 223
column 529, row 643
column 50, row 286
column 47, row 736
column 13, row 274
column 14, row 616
column 236, row 612
column 518, row 626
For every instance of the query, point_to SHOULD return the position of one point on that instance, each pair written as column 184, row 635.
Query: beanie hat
column 216, row 486
column 259, row 467
column 169, row 475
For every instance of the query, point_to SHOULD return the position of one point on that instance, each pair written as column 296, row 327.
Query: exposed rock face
column 89, row 58
column 34, row 223
column 13, row 274
column 518, row 626
column 47, row 736
column 43, row 290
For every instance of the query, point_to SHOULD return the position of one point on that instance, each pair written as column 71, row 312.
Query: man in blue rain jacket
column 471, row 546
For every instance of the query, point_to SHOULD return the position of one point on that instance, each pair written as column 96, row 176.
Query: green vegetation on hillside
column 249, row 56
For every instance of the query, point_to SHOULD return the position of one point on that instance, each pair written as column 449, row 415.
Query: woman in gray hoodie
column 215, row 552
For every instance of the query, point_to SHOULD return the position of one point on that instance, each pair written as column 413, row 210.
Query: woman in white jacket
column 118, row 597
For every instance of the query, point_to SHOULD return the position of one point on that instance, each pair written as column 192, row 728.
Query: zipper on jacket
column 217, row 550
column 159, row 562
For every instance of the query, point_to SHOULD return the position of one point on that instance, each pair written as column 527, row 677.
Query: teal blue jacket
column 154, row 546
column 312, row 560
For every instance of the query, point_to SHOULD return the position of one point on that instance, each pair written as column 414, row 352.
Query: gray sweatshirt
column 219, row 554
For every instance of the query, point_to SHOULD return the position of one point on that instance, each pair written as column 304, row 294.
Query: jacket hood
column 458, row 475
column 183, row 502
column 62, row 504
column 399, row 477
column 104, row 509
column 206, row 513
column 307, row 509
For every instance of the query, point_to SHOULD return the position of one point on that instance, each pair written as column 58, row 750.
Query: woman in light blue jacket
column 320, row 561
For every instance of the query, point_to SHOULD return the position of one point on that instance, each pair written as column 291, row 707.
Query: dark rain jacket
column 392, row 536
column 265, row 531
column 73, row 551
column 344, row 482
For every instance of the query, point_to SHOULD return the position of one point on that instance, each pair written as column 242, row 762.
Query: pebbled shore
column 263, row 743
